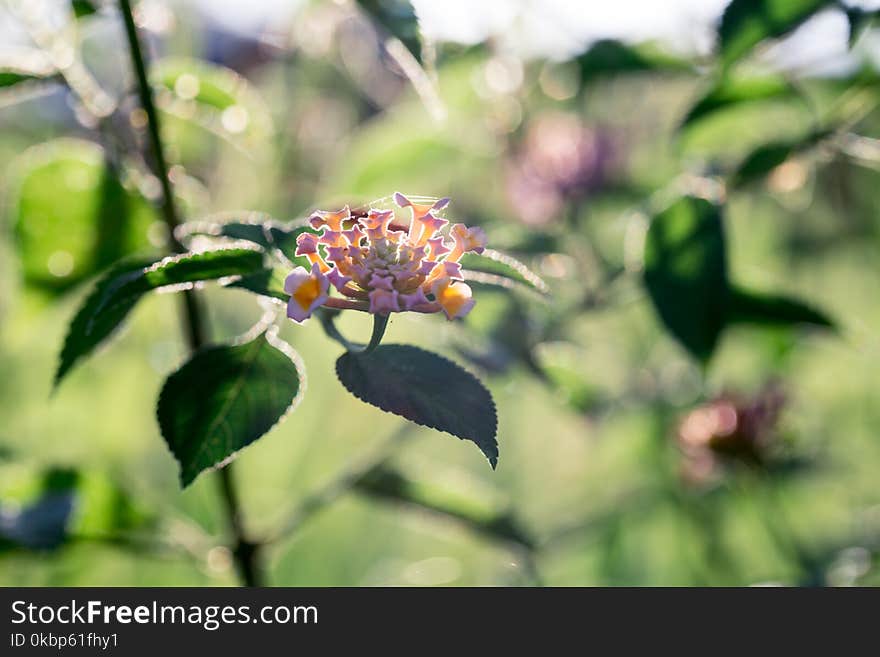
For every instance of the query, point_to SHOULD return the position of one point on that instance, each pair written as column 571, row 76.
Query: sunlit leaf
column 268, row 282
column 746, row 23
column 90, row 328
column 223, row 399
column 214, row 97
column 501, row 264
column 256, row 227
column 733, row 91
column 424, row 388
column 184, row 269
column 118, row 292
column 686, row 272
column 72, row 215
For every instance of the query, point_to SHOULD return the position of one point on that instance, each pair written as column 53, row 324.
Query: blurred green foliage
column 577, row 169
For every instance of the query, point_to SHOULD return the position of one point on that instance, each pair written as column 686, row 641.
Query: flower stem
column 380, row 323
column 244, row 551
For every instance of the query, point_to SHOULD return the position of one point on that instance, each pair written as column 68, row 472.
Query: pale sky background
column 557, row 28
column 561, row 28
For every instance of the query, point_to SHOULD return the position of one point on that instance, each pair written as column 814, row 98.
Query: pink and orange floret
column 380, row 267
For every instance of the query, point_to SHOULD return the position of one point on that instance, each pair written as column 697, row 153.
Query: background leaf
column 72, row 215
column 859, row 20
column 750, row 307
column 215, row 98
column 223, row 399
column 83, row 8
column 424, row 388
column 611, row 57
column 398, row 18
column 686, row 272
column 44, row 509
column 41, row 525
column 746, row 23
column 732, row 91
column 767, row 157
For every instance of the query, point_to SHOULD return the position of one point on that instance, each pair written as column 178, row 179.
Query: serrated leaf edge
column 271, row 336
column 493, row 460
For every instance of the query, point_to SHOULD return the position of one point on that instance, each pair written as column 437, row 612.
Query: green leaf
column 42, row 525
column 859, row 20
column 746, row 23
column 750, row 307
column 10, row 78
column 117, row 293
column 686, row 273
column 47, row 508
column 257, row 228
column 223, row 399
column 424, row 388
column 268, row 282
column 72, row 215
column 183, row 269
column 83, row 8
column 90, row 327
column 25, row 65
column 215, row 98
column 398, row 18
column 764, row 159
column 731, row 92
column 610, row 57
column 500, row 264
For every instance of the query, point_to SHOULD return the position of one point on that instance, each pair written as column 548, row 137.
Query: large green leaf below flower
column 223, row 399
column 425, row 388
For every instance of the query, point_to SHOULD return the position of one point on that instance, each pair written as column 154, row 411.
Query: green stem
column 145, row 93
column 380, row 323
column 244, row 551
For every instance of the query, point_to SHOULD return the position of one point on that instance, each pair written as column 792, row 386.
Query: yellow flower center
column 306, row 294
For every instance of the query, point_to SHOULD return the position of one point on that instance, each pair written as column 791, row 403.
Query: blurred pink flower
column 560, row 159
column 728, row 429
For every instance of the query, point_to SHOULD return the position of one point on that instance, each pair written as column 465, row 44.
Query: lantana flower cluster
column 381, row 267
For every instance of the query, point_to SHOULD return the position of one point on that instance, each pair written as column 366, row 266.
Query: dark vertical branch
column 244, row 551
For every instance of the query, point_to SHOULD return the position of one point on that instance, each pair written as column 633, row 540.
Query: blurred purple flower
column 729, row 429
column 560, row 159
